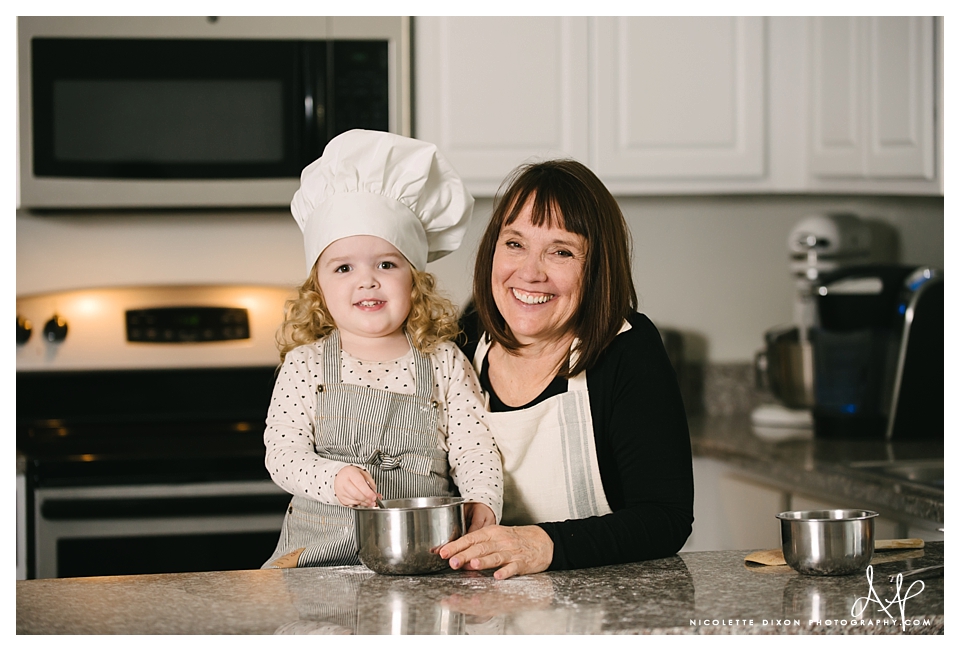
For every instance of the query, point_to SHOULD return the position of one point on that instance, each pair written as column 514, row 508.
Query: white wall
column 713, row 267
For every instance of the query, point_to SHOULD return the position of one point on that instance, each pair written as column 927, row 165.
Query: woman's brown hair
column 565, row 194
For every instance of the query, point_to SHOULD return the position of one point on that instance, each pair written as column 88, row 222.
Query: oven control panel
column 151, row 327
column 180, row 324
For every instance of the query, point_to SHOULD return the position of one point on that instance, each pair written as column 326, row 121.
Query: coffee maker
column 878, row 353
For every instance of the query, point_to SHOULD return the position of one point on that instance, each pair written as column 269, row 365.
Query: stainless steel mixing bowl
column 827, row 543
column 785, row 367
column 404, row 536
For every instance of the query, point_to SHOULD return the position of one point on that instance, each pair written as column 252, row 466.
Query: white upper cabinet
column 678, row 98
column 872, row 99
column 492, row 92
column 667, row 105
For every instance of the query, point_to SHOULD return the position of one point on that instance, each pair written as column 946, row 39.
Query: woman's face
column 537, row 277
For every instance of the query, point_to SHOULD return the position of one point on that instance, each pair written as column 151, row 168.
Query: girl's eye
column 342, row 269
column 386, row 264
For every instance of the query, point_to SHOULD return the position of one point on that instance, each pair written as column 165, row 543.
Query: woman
column 582, row 400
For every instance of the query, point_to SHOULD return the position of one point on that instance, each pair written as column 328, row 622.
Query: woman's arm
column 643, row 449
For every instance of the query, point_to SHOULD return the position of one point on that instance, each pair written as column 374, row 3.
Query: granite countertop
column 691, row 593
column 824, row 468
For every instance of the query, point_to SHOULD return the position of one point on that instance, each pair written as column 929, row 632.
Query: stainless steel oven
column 140, row 416
column 146, row 529
column 160, row 112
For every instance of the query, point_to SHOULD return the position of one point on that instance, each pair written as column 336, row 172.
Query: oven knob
column 24, row 330
column 55, row 329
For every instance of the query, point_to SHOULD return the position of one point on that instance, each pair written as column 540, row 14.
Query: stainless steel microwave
column 194, row 112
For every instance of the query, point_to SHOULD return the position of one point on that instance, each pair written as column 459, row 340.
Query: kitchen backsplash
column 721, row 389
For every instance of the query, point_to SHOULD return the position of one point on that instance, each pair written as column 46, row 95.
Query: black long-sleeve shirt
column 643, row 453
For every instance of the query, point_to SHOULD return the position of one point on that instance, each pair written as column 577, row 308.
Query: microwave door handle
column 313, row 65
column 309, row 98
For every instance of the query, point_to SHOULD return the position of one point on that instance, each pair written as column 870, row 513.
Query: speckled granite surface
column 728, row 390
column 822, row 468
column 693, row 593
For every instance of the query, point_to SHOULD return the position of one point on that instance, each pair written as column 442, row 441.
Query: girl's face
column 537, row 276
column 366, row 284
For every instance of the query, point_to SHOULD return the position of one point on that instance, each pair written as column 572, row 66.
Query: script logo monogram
column 860, row 604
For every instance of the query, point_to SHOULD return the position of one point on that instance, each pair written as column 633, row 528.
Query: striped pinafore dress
column 391, row 435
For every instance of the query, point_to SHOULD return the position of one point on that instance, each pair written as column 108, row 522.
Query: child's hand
column 355, row 487
column 478, row 516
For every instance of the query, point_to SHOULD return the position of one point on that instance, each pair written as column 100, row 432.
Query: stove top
column 145, row 426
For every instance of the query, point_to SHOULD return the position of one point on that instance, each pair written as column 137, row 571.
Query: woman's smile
column 531, row 298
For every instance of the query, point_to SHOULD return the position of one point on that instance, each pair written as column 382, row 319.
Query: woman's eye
column 564, row 254
column 510, row 244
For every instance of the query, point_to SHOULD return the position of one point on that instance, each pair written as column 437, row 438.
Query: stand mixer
column 818, row 244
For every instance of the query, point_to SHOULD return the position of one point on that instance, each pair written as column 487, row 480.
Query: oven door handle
column 159, row 507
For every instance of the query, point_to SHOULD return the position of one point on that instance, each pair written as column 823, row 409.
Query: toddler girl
column 371, row 397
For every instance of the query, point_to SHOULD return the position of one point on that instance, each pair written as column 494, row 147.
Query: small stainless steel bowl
column 404, row 536
column 827, row 543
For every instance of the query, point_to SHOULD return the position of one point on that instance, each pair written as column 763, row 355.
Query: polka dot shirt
column 462, row 430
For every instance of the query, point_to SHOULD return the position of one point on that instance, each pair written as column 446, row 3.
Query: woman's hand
column 478, row 516
column 355, row 487
column 515, row 550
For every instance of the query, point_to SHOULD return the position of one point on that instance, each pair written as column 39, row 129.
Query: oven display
column 187, row 324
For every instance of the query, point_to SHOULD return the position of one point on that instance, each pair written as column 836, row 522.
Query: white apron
column 550, row 470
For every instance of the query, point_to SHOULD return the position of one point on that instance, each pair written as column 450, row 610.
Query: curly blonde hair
column 432, row 319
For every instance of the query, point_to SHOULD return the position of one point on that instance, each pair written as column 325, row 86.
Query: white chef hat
column 376, row 183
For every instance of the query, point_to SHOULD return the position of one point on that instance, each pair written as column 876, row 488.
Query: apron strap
column 577, row 383
column 331, row 358
column 481, row 352
column 422, row 373
column 332, row 363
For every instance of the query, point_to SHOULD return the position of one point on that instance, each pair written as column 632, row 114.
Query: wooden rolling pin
column 775, row 556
